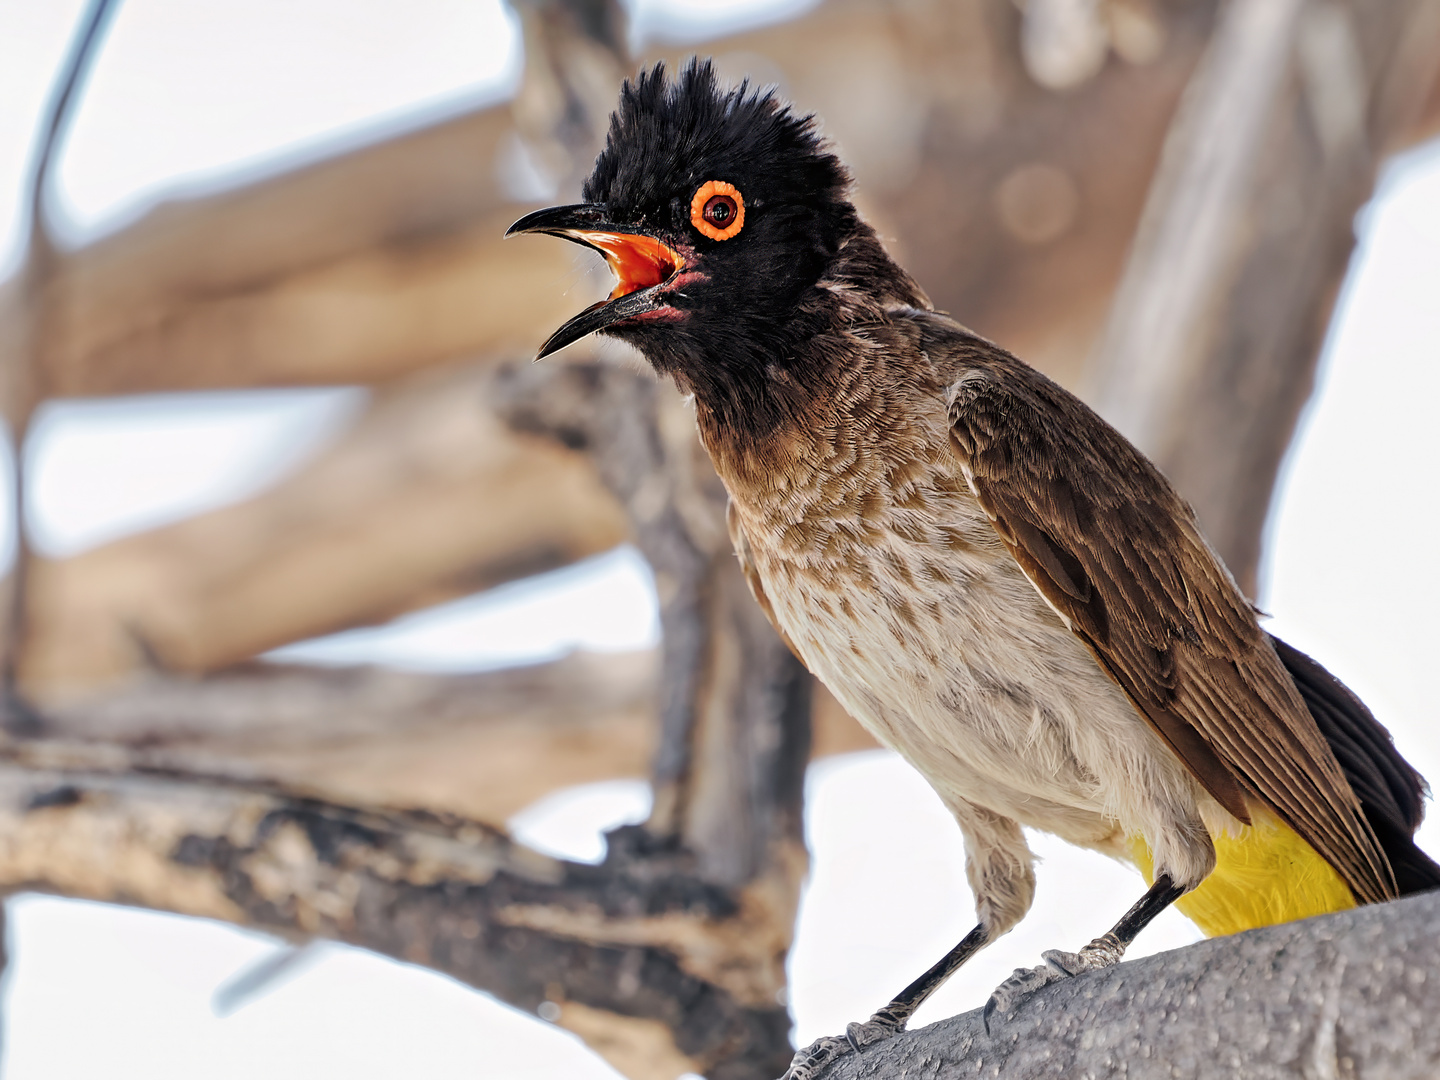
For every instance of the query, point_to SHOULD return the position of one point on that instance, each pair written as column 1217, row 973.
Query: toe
column 871, row 1032
column 809, row 1063
column 1066, row 963
column 1025, row 981
column 817, row 1057
column 1058, row 965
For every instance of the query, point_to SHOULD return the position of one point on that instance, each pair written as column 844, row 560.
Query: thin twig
column 27, row 383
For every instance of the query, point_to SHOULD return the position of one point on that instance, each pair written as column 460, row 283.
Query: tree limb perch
column 1348, row 995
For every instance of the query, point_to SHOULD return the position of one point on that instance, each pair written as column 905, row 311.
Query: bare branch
column 372, row 264
column 1347, row 995
column 660, row 968
column 726, row 832
column 484, row 745
column 58, row 112
column 429, row 496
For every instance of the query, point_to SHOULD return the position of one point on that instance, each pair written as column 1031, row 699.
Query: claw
column 809, row 1063
column 1058, row 965
column 1019, row 986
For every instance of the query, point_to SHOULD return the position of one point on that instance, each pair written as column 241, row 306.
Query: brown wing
column 1113, row 548
column 741, row 543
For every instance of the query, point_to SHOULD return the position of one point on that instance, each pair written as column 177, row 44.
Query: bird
column 989, row 577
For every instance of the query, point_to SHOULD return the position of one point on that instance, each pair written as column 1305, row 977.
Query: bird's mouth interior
column 638, row 262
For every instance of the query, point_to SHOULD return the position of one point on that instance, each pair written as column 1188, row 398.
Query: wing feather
column 1111, row 546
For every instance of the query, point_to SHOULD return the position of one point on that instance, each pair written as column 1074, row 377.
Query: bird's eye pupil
column 719, row 210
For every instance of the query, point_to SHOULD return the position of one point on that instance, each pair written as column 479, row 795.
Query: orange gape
column 637, row 261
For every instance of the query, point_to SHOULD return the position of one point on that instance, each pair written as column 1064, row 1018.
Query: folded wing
column 1116, row 552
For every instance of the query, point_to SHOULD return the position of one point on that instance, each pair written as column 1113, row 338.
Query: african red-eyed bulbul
column 986, row 574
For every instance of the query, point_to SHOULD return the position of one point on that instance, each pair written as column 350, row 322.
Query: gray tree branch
column 484, row 745
column 662, row 972
column 1342, row 996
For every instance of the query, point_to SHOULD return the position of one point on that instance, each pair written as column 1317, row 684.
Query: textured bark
column 1211, row 348
column 1353, row 995
column 679, row 973
column 31, row 327
column 725, row 841
column 721, row 752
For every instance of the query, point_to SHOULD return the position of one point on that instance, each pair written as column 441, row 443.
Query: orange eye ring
column 718, row 210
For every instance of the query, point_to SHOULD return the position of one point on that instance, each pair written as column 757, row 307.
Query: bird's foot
column 1100, row 953
column 812, row 1062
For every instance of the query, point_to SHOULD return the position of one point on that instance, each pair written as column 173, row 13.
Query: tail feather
column 1391, row 793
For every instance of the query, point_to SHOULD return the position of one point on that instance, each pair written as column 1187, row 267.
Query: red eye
column 718, row 210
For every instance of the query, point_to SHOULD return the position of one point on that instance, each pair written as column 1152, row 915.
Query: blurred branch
column 358, row 268
column 734, row 704
column 1353, row 994
column 23, row 371
column 1211, row 347
column 5, row 976
column 388, row 258
column 484, row 745
column 676, row 974
column 255, row 981
column 428, row 496
column 575, row 58
column 669, row 959
column 41, row 241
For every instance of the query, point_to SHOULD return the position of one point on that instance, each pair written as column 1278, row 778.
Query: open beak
column 642, row 266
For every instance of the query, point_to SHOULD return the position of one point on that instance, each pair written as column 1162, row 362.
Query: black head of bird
column 719, row 212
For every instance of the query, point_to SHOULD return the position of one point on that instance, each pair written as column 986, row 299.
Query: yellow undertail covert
column 1264, row 875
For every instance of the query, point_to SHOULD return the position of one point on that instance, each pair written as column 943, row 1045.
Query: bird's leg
column 1105, row 950
column 813, row 1060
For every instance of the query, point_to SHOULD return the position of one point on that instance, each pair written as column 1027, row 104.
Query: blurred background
column 308, row 539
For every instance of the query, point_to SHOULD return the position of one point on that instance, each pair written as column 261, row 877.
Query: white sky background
column 186, row 94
